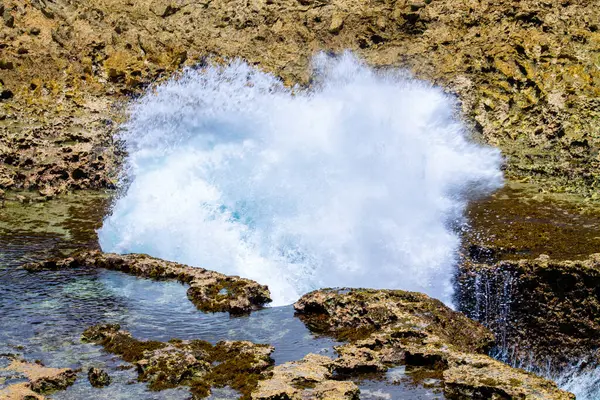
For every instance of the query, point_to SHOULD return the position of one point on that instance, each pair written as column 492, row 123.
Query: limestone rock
column 385, row 328
column 9, row 19
column 164, row 8
column 209, row 291
column 525, row 72
column 193, row 363
column 309, row 378
column 337, row 22
column 41, row 380
column 552, row 304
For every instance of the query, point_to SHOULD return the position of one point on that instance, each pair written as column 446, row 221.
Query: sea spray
column 356, row 181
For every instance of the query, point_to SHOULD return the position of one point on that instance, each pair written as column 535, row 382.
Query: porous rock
column 210, row 291
column 309, row 378
column 98, row 377
column 386, row 328
column 193, row 363
column 41, row 380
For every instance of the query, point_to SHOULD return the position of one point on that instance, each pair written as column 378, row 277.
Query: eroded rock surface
column 526, row 71
column 545, row 309
column 385, row 328
column 309, row 378
column 41, row 380
column 210, row 291
column 194, row 363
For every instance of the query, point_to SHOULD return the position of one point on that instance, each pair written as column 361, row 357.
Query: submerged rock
column 98, row 377
column 40, row 380
column 209, row 291
column 194, row 363
column 385, row 328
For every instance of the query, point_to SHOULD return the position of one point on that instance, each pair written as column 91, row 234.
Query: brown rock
column 337, row 23
column 194, row 363
column 209, row 291
column 41, row 380
column 164, row 8
column 551, row 305
column 9, row 19
column 525, row 72
column 392, row 327
column 98, row 377
column 309, row 378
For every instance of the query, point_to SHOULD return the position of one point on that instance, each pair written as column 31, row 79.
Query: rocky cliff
column 527, row 72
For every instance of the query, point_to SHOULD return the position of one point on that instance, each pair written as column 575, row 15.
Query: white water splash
column 583, row 383
column 355, row 182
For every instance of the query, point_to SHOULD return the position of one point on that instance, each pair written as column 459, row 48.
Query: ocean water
column 359, row 180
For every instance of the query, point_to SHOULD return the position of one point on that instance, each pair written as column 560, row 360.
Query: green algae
column 524, row 221
column 115, row 341
column 72, row 217
column 238, row 365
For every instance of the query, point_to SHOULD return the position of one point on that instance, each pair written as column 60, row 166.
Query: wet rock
column 209, row 291
column 544, row 307
column 309, row 378
column 386, row 328
column 41, row 380
column 98, row 377
column 480, row 377
column 353, row 314
column 193, row 363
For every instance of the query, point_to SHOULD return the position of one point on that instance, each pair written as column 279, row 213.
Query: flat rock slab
column 309, row 378
column 209, row 291
column 41, row 380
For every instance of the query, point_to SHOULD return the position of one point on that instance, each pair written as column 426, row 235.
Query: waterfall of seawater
column 357, row 181
column 491, row 296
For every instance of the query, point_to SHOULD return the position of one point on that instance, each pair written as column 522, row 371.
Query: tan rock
column 41, row 380
column 193, row 363
column 210, row 291
column 309, row 378
column 531, row 67
column 391, row 327
column 337, row 23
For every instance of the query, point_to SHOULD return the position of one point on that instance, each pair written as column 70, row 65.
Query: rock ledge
column 209, row 291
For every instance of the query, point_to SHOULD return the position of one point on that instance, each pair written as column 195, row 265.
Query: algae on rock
column 194, row 363
column 395, row 327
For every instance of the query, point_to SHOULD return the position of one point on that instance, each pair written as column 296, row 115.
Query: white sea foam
column 354, row 182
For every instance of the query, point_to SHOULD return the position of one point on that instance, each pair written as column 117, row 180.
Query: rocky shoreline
column 525, row 73
column 527, row 78
column 40, row 380
column 209, row 291
column 533, row 284
column 543, row 307
column 392, row 327
column 381, row 329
